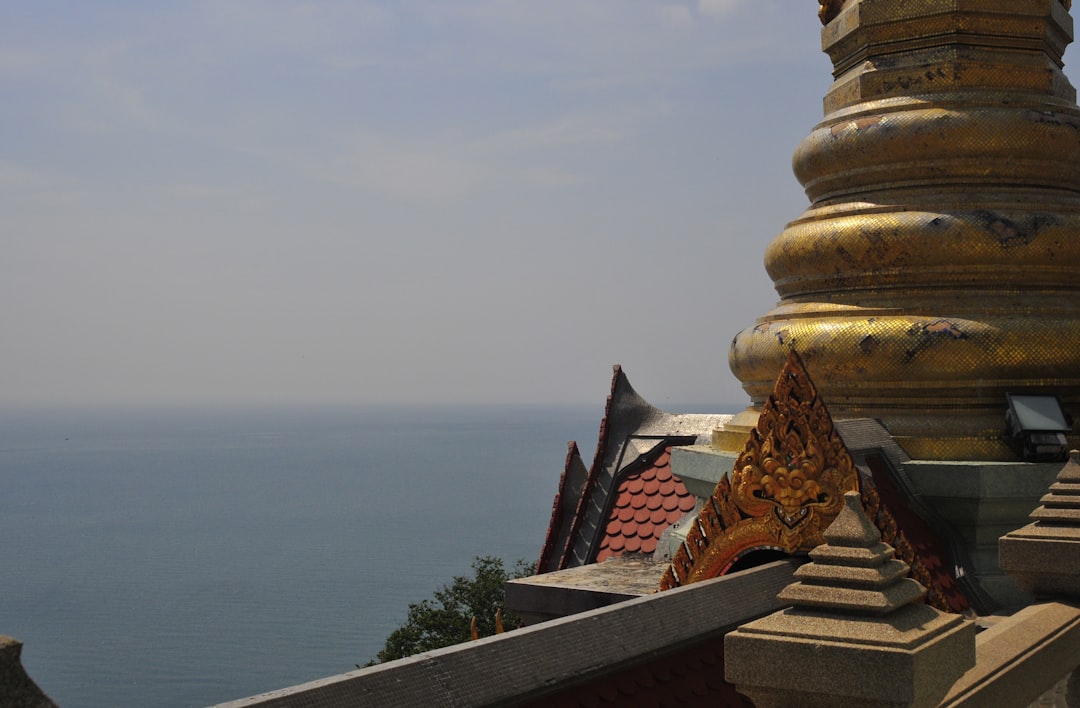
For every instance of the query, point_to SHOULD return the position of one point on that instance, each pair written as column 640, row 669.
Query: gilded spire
column 829, row 9
column 938, row 264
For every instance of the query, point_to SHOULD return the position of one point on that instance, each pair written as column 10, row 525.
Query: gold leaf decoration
column 787, row 485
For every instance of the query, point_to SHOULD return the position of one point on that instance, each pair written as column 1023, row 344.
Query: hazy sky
column 409, row 201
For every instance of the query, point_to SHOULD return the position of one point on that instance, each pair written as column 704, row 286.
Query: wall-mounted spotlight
column 1036, row 426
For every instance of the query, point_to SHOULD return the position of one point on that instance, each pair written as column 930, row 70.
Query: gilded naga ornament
column 786, row 487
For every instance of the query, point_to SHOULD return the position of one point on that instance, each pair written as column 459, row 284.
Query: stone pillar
column 856, row 634
column 1044, row 556
column 17, row 689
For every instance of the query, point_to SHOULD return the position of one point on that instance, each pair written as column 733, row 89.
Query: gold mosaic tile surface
column 938, row 266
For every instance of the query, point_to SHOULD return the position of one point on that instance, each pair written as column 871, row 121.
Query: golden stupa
column 938, row 265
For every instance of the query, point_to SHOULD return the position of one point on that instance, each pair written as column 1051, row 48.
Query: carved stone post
column 1044, row 556
column 856, row 635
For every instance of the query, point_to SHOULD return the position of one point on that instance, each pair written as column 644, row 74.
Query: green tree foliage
column 446, row 618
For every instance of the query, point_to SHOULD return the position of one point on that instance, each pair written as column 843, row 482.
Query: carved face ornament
column 786, row 487
column 789, row 476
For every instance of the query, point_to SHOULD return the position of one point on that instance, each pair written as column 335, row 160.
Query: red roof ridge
column 550, row 539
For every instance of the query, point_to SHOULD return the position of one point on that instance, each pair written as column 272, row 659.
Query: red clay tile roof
column 629, row 426
column 646, row 503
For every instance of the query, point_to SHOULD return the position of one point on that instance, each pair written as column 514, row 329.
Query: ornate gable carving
column 787, row 486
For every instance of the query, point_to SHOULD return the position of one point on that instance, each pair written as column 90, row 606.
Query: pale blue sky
column 415, row 201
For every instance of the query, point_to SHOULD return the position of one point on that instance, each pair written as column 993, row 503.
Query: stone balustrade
column 851, row 637
column 855, row 635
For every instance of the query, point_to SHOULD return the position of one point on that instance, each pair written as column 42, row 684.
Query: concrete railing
column 1022, row 657
column 844, row 606
column 527, row 664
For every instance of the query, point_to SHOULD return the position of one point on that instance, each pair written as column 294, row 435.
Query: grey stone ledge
column 527, row 664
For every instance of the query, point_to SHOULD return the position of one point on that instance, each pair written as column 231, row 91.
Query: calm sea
column 186, row 557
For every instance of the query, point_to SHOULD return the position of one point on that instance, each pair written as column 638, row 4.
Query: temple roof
column 624, row 502
column 645, row 503
column 789, row 482
column 635, row 437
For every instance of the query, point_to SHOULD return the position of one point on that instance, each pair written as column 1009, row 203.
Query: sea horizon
column 185, row 555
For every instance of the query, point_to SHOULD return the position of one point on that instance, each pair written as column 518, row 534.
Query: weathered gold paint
column 787, row 485
column 786, row 488
column 938, row 265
